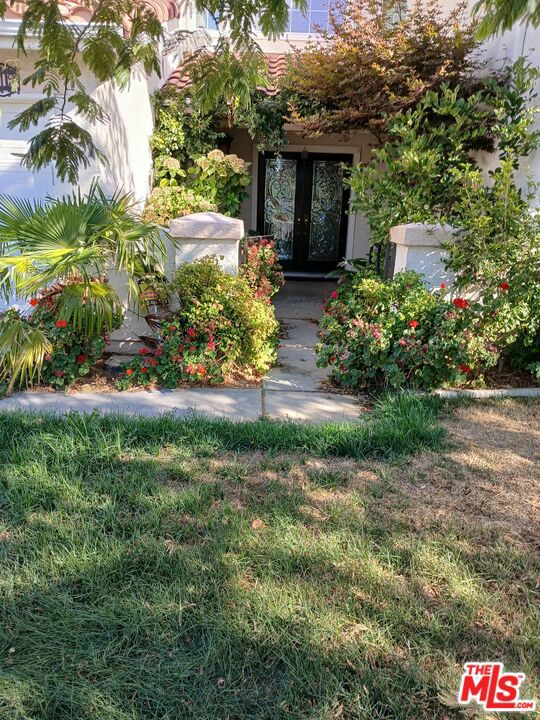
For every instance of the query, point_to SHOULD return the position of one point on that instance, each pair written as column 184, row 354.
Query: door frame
column 302, row 221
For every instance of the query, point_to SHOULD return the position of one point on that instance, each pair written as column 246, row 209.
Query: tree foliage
column 417, row 175
column 373, row 63
column 119, row 35
column 65, row 47
column 500, row 15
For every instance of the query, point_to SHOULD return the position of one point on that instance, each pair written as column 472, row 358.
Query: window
column 207, row 21
column 314, row 19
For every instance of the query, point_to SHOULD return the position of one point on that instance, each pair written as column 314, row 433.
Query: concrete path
column 291, row 391
column 299, row 308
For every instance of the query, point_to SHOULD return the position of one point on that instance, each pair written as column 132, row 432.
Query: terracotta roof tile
column 277, row 67
column 164, row 9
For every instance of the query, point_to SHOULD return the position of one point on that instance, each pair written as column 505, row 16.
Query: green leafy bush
column 222, row 329
column 496, row 254
column 182, row 131
column 398, row 334
column 215, row 183
column 416, row 176
column 262, row 269
column 172, row 201
column 222, row 179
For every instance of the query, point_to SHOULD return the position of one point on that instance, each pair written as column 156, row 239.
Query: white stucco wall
column 124, row 139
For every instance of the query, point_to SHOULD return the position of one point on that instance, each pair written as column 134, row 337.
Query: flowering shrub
column 262, row 270
column 184, row 355
column 221, row 329
column 398, row 334
column 222, row 179
column 174, row 201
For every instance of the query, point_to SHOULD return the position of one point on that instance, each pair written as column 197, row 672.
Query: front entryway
column 303, row 203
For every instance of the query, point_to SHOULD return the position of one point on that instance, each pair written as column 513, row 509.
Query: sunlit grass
column 197, row 569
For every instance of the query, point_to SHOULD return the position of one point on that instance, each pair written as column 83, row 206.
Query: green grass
column 203, row 570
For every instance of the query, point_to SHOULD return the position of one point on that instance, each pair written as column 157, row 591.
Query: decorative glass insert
column 326, row 205
column 279, row 199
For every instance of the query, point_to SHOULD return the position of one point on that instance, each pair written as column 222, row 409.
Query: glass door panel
column 279, row 204
column 303, row 203
column 326, row 210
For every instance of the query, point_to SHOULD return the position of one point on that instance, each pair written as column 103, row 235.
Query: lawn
column 193, row 569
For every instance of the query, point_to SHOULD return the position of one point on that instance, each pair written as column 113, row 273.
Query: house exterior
column 298, row 197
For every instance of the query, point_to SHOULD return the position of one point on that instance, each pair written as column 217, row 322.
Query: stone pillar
column 207, row 233
column 418, row 247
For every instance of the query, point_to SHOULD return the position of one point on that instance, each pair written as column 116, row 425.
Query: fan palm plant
column 69, row 244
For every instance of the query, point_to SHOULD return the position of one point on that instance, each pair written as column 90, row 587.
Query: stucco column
column 207, row 234
column 419, row 247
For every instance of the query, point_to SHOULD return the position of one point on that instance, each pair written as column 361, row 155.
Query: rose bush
column 398, row 334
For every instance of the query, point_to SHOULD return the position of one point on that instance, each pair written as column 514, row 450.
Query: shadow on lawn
column 192, row 588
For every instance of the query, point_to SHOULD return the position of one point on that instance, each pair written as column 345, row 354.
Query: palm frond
column 22, row 351
column 93, row 306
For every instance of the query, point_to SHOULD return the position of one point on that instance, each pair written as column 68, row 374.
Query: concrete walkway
column 291, row 390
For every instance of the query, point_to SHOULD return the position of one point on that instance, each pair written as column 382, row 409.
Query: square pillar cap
column 207, row 226
column 421, row 234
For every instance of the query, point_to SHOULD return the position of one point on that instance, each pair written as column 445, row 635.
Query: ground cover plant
column 204, row 570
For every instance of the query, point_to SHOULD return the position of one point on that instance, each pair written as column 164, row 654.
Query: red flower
column 461, row 303
column 158, row 352
column 172, row 328
column 144, row 351
column 191, row 332
column 504, row 286
column 61, row 323
column 465, row 369
column 59, row 373
column 153, row 362
column 144, row 369
column 334, row 295
column 332, row 359
column 80, row 359
column 202, row 370
column 413, row 323
column 211, row 345
column 129, row 371
column 191, row 369
column 33, row 302
column 376, row 334
column 402, row 342
column 443, row 286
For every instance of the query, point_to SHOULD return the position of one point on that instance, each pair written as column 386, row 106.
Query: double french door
column 303, row 203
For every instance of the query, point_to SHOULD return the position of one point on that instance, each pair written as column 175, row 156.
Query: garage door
column 14, row 179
